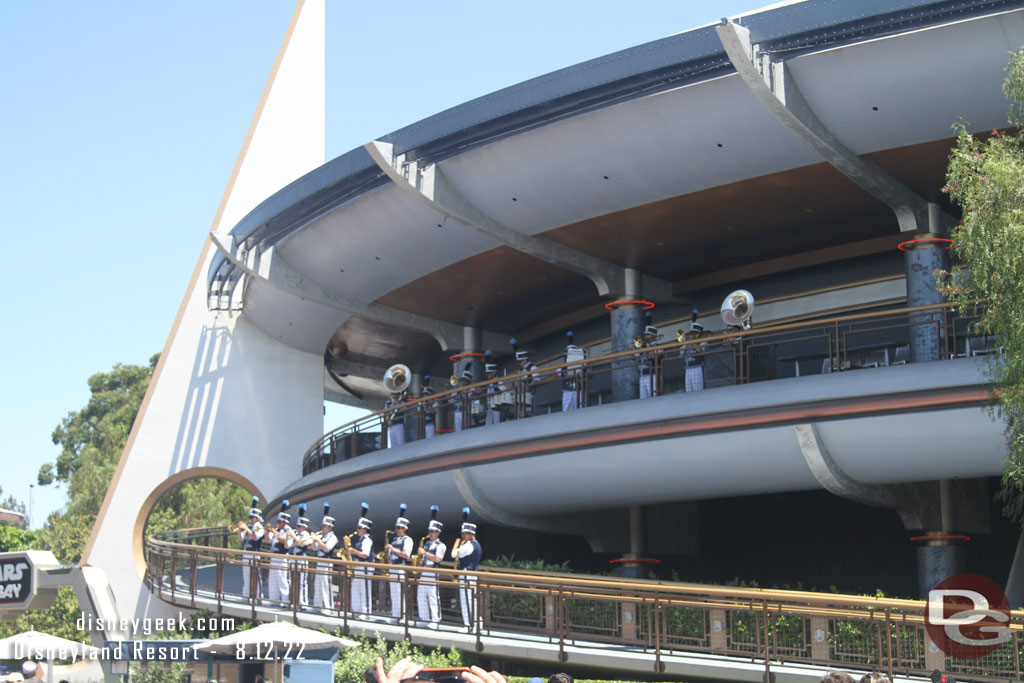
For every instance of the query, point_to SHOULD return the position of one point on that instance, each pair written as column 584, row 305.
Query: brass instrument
column 453, row 380
column 680, row 336
column 737, row 308
column 237, row 527
column 349, row 538
column 458, row 541
column 397, row 378
column 638, row 342
column 382, row 555
column 308, row 541
column 417, row 559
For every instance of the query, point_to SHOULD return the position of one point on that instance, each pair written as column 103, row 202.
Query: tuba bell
column 738, row 307
column 453, row 380
column 397, row 378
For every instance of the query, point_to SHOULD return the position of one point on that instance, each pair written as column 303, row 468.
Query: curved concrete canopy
column 878, row 76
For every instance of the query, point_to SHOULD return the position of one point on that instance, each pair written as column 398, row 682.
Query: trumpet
column 308, row 541
column 453, row 380
column 237, row 527
column 638, row 342
column 680, row 336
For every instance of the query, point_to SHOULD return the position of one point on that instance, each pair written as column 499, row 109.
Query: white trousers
column 570, row 400
column 429, row 430
column 397, row 593
column 695, row 378
column 361, row 591
column 646, row 385
column 467, row 599
column 249, row 570
column 427, row 598
column 493, row 417
column 322, row 596
column 396, row 435
column 280, row 585
column 458, row 420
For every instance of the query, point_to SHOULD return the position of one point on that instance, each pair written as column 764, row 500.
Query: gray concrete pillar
column 471, row 343
column 628, row 569
column 937, row 560
column 627, row 322
column 921, row 261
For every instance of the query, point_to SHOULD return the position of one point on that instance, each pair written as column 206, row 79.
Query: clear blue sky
column 121, row 123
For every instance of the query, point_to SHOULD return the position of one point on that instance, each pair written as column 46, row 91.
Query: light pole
column 31, row 490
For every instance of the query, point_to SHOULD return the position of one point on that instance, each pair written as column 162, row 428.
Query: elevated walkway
column 684, row 631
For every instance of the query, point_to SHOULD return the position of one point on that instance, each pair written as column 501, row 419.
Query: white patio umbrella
column 39, row 645
column 277, row 640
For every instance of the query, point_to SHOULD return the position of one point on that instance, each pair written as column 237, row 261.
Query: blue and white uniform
column 298, row 550
column 427, row 596
column 252, row 540
column 396, row 421
column 429, row 412
column 281, row 543
column 361, row 603
column 322, row 595
column 469, row 554
column 694, row 365
column 403, row 544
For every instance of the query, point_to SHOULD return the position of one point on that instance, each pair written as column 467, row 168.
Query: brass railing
column 652, row 619
column 792, row 350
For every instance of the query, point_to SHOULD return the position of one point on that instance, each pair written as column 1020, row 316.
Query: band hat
column 435, row 525
column 256, row 512
column 468, row 528
column 522, row 355
column 328, row 521
column 491, row 367
column 364, row 523
column 696, row 327
column 651, row 330
column 467, row 375
column 284, row 517
column 302, row 521
column 402, row 522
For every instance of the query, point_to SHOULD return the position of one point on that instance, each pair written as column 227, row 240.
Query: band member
column 429, row 410
column 300, row 541
column 523, row 359
column 458, row 398
column 571, row 384
column 399, row 553
column 431, row 554
column 324, row 547
column 251, row 534
column 647, row 360
column 694, row 355
column 281, row 542
column 362, row 551
column 395, row 419
column 467, row 553
column 493, row 412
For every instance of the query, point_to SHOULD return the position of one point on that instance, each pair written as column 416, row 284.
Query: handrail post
column 767, row 644
column 192, row 576
column 562, row 625
column 657, row 634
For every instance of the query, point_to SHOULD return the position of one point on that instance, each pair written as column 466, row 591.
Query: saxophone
column 382, row 555
column 417, row 559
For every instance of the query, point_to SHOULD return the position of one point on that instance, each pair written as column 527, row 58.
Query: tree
column 13, row 504
column 986, row 178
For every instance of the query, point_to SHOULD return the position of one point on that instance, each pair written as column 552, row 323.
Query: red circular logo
column 968, row 616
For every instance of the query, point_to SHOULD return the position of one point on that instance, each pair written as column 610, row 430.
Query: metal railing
column 792, row 350
column 652, row 619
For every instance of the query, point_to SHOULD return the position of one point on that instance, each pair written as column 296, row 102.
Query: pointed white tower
column 214, row 359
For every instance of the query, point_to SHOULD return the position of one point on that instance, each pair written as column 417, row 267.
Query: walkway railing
column 793, row 350
column 652, row 619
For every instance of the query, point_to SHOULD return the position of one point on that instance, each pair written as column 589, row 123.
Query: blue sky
column 121, row 122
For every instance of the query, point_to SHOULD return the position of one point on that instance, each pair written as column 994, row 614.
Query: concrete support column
column 937, row 560
column 627, row 322
column 921, row 262
column 471, row 344
column 634, row 569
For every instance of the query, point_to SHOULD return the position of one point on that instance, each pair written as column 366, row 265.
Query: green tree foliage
column 199, row 503
column 13, row 538
column 353, row 662
column 58, row 620
column 15, row 505
column 986, row 178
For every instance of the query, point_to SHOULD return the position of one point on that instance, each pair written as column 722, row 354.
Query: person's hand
column 478, row 675
column 404, row 668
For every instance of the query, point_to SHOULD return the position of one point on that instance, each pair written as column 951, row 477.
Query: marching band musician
column 251, row 534
column 396, row 419
column 399, row 553
column 523, row 358
column 429, row 410
column 467, row 552
column 300, row 541
column 362, row 551
column 281, row 542
column 431, row 554
column 571, row 377
column 458, row 398
column 693, row 355
column 324, row 547
column 493, row 412
column 647, row 375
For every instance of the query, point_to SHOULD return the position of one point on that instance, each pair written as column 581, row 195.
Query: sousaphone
column 397, row 378
column 738, row 307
